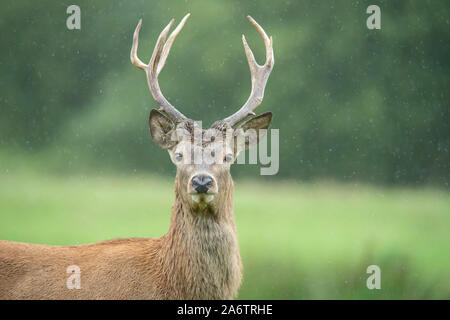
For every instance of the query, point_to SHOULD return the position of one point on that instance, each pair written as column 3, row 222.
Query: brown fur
column 197, row 259
column 199, row 256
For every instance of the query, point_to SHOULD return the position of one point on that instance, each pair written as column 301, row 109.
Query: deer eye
column 178, row 156
column 228, row 158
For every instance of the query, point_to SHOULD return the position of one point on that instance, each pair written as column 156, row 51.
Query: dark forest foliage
column 350, row 103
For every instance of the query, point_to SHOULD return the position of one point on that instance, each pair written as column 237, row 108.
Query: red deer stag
column 199, row 257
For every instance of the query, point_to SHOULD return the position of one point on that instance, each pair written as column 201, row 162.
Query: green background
column 364, row 135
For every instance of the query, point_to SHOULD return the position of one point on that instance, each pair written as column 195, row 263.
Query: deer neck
column 200, row 251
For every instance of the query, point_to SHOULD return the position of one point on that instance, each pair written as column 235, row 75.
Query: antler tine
column 156, row 64
column 259, row 76
column 133, row 55
column 169, row 42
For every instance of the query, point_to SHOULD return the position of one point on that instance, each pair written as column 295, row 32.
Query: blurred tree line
column 350, row 103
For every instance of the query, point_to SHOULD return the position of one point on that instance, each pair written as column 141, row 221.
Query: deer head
column 203, row 157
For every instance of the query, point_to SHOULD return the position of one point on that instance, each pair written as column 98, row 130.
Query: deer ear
column 162, row 129
column 250, row 132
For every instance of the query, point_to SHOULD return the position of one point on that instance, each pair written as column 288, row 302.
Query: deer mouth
column 202, row 197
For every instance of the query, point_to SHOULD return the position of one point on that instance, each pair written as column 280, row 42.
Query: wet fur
column 197, row 259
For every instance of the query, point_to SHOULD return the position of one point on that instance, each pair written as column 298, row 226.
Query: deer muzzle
column 202, row 187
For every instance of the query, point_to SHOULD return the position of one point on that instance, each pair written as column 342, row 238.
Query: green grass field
column 297, row 241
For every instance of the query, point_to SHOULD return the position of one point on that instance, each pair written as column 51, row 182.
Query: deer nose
column 202, row 183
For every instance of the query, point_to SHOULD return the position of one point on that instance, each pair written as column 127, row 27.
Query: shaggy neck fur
column 200, row 252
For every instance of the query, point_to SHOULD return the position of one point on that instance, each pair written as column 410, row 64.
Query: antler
column 259, row 76
column 156, row 64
